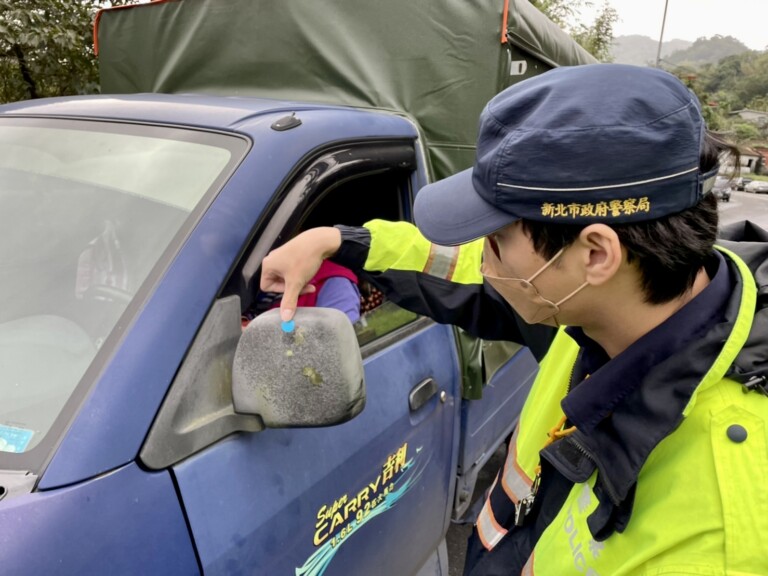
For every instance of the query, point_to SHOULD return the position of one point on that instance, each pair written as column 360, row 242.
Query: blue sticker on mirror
column 14, row 439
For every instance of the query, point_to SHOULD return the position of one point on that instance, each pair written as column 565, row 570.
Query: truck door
column 370, row 496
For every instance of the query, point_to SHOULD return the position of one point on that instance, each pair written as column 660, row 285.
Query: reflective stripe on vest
column 528, row 568
column 400, row 246
column 515, row 482
column 523, row 451
column 442, row 261
column 516, row 485
column 488, row 529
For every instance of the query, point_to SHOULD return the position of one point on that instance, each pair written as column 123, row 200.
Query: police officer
column 586, row 229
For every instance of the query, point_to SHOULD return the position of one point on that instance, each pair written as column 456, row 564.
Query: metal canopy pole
column 661, row 36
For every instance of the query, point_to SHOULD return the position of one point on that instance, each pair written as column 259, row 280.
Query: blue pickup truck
column 133, row 228
column 133, row 225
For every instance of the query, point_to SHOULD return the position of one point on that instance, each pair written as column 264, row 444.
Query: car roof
column 213, row 112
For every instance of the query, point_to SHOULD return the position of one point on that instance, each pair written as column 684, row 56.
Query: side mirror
column 312, row 376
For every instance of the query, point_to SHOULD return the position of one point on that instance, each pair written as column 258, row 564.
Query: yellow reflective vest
column 701, row 503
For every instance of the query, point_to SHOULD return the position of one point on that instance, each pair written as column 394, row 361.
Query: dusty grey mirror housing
column 312, row 376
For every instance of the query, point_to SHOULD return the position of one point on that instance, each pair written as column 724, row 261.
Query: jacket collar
column 619, row 444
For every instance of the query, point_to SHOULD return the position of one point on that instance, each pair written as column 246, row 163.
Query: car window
column 383, row 195
column 375, row 185
column 86, row 211
column 381, row 320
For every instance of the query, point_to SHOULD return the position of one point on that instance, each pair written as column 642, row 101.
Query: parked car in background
column 741, row 182
column 757, row 187
column 722, row 188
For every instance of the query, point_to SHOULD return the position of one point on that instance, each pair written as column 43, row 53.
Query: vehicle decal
column 339, row 520
column 14, row 439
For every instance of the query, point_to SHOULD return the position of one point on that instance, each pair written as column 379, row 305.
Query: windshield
column 87, row 209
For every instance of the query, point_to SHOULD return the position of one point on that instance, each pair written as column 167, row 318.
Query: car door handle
column 421, row 393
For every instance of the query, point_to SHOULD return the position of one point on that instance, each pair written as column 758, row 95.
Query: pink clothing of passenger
column 335, row 287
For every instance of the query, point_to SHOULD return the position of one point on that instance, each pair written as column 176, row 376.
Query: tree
column 746, row 132
column 561, row 12
column 759, row 103
column 596, row 37
column 735, row 82
column 705, row 50
column 46, row 48
column 753, row 82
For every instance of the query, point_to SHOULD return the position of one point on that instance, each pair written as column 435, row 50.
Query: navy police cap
column 597, row 143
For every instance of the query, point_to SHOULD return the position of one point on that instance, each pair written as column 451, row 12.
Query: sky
column 746, row 20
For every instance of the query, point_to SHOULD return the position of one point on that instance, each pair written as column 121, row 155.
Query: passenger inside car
column 335, row 287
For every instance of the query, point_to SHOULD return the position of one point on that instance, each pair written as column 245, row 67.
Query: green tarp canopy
column 438, row 61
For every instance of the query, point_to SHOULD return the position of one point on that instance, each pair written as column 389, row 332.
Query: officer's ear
column 602, row 253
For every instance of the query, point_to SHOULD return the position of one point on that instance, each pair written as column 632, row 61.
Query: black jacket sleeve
column 472, row 305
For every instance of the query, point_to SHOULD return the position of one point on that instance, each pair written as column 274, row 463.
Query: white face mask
column 521, row 294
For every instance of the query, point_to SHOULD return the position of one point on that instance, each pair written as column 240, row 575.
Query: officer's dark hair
column 668, row 252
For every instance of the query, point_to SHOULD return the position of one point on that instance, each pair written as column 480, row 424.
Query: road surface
column 745, row 206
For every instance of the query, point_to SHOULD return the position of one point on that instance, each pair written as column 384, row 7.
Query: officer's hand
column 288, row 269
